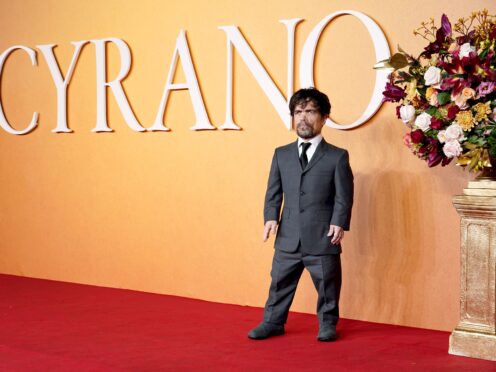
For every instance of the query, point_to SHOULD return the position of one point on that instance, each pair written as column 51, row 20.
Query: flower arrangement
column 447, row 95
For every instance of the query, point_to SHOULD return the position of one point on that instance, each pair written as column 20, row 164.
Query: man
column 315, row 181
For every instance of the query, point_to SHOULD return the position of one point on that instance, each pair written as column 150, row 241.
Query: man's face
column 307, row 120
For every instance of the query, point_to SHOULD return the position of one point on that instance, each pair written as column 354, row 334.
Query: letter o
column 381, row 52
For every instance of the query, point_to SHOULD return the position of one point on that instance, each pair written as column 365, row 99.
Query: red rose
column 452, row 111
column 436, row 123
column 417, row 136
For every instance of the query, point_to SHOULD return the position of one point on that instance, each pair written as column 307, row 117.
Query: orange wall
column 181, row 212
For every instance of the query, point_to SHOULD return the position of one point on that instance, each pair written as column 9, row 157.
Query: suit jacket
column 314, row 198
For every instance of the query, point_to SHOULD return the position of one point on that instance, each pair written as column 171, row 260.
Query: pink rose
column 454, row 133
column 452, row 149
column 462, row 98
column 441, row 136
column 423, row 121
column 468, row 93
column 460, row 101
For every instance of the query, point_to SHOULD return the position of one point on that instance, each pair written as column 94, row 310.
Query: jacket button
column 302, row 210
column 302, row 192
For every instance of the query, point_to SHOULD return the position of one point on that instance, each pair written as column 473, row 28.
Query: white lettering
column 61, row 83
column 291, row 26
column 236, row 39
column 381, row 52
column 3, row 120
column 115, row 86
column 202, row 120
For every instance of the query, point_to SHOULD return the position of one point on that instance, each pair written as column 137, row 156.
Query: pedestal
column 475, row 335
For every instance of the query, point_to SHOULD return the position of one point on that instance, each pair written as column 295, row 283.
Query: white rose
column 432, row 76
column 452, row 149
column 441, row 136
column 454, row 132
column 407, row 113
column 493, row 115
column 423, row 121
column 465, row 50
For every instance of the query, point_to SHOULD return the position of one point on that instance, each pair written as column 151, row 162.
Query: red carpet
column 55, row 326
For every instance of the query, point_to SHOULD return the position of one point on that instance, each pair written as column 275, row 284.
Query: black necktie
column 303, row 157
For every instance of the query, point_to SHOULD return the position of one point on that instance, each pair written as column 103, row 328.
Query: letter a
column 202, row 120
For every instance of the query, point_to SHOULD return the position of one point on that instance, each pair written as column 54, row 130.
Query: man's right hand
column 270, row 226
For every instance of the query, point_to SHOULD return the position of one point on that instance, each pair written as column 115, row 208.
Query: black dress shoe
column 266, row 330
column 327, row 332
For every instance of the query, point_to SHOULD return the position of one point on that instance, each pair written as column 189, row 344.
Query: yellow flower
column 429, row 92
column 411, row 90
column 482, row 110
column 417, row 102
column 465, row 119
column 453, row 46
column 443, row 111
column 485, row 44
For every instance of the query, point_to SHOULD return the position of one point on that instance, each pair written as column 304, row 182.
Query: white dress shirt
column 311, row 150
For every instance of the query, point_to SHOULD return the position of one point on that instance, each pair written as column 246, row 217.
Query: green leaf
column 443, row 98
column 476, row 140
column 431, row 111
column 421, row 90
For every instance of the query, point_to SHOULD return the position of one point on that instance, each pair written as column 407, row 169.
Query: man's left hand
column 336, row 234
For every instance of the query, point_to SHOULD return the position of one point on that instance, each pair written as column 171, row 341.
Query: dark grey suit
column 314, row 198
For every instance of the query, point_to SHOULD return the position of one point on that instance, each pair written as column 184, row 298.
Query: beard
column 304, row 131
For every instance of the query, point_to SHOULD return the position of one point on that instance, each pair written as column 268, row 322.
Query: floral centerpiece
column 447, row 95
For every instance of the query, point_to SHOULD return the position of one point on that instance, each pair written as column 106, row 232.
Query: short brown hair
column 310, row 94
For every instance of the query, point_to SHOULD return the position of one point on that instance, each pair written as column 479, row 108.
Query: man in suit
column 314, row 180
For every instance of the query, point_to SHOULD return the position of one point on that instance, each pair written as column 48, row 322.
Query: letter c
column 3, row 120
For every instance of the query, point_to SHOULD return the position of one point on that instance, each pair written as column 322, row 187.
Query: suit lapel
column 295, row 155
column 319, row 152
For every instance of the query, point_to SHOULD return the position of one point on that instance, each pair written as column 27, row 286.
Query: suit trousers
column 287, row 267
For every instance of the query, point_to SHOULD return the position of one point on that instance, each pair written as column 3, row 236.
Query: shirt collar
column 314, row 141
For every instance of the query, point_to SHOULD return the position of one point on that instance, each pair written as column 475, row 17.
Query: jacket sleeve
column 273, row 195
column 343, row 199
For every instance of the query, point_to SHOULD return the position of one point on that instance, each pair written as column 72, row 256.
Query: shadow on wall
column 390, row 247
